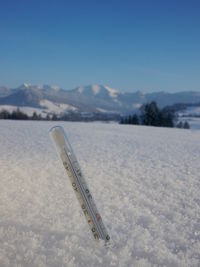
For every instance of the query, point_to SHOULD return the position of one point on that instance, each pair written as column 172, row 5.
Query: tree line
column 17, row 114
column 151, row 115
column 70, row 116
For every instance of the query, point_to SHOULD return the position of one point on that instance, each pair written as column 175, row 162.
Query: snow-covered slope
column 56, row 108
column 145, row 182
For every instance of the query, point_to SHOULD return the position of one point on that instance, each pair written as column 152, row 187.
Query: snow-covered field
column 145, row 180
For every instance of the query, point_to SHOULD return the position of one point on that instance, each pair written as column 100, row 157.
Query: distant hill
column 89, row 99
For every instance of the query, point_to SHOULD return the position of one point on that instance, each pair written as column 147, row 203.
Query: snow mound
column 145, row 182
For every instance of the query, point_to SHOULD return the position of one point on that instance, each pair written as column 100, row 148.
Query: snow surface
column 56, row 108
column 145, row 182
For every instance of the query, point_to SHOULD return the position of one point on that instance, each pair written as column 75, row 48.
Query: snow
column 106, row 111
column 191, row 115
column 194, row 122
column 195, row 111
column 145, row 182
column 47, row 107
column 81, row 89
column 27, row 85
column 96, row 89
column 27, row 110
column 56, row 108
column 112, row 92
column 55, row 87
column 102, row 110
column 136, row 105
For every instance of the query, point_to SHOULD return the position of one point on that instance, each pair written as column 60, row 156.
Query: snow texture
column 145, row 182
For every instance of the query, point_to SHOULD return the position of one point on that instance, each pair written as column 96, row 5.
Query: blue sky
column 128, row 45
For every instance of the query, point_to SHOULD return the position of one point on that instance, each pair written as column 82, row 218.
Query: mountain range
column 86, row 99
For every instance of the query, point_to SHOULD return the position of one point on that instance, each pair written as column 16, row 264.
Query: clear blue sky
column 130, row 45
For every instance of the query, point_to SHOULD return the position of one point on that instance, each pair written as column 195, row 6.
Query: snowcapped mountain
column 91, row 98
column 99, row 91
